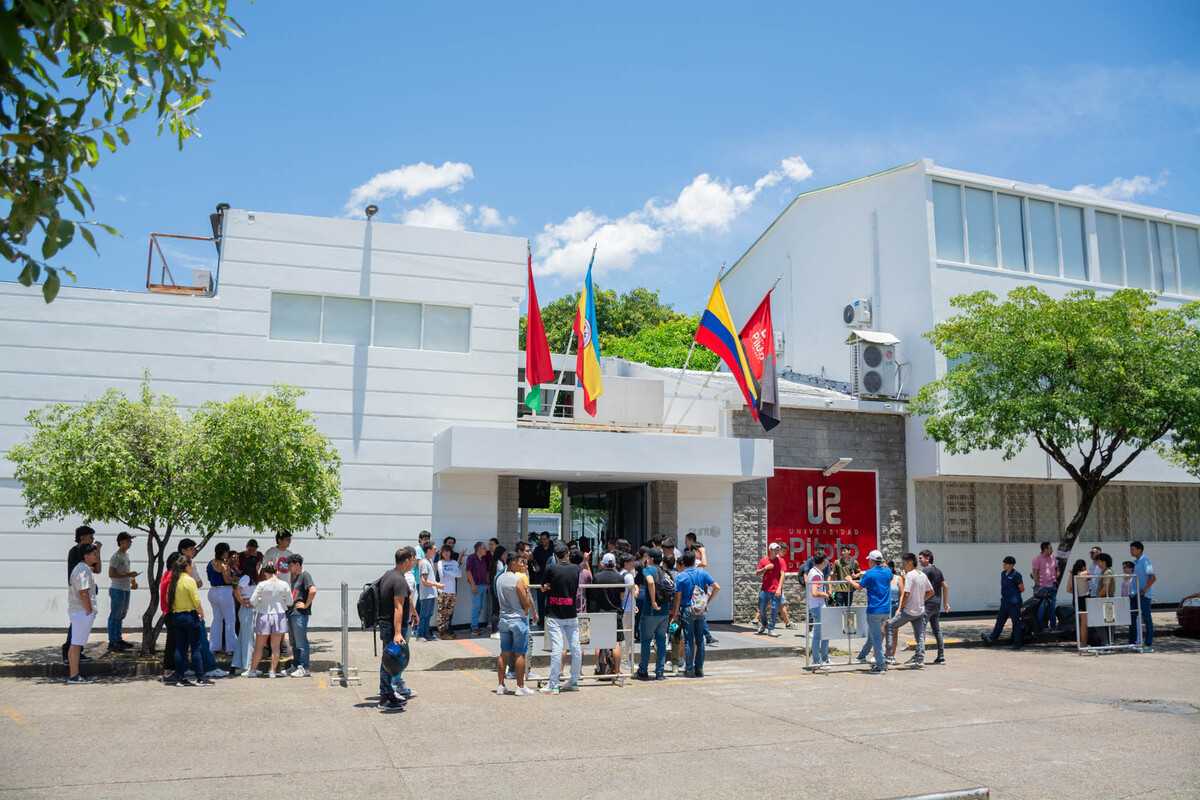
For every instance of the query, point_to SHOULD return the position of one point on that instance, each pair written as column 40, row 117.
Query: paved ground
column 1034, row 724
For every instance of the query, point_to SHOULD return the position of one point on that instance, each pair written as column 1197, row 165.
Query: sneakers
column 698, row 673
column 570, row 687
column 940, row 660
column 711, row 641
column 891, row 660
column 185, row 682
column 641, row 676
column 660, row 677
column 251, row 673
column 501, row 690
column 760, row 631
column 408, row 694
column 861, row 659
column 299, row 672
column 216, row 673
column 529, row 675
column 391, row 706
column 205, row 682
column 524, row 691
column 877, row 670
column 774, row 634
column 79, row 680
column 549, row 690
column 687, row 673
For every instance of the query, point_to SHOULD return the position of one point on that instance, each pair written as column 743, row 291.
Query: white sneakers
column 501, row 690
column 251, row 673
column 524, row 691
column 216, row 673
column 299, row 672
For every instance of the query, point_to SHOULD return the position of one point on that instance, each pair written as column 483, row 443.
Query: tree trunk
column 154, row 571
column 1071, row 534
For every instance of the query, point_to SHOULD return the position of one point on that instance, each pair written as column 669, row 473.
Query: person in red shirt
column 771, row 567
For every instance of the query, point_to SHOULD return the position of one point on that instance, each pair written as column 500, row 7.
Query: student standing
column 916, row 593
column 608, row 601
column 514, row 603
column 562, row 623
column 245, row 642
column 845, row 570
column 278, row 555
column 694, row 590
column 1045, row 581
column 121, row 585
column 271, row 599
column 693, row 544
column 448, row 572
column 187, row 614
column 656, row 602
column 770, row 594
column 1012, row 585
column 1079, row 593
column 395, row 612
column 427, row 592
column 477, row 583
column 936, row 605
column 1127, row 579
column 818, row 596
column 304, row 591
column 877, row 582
column 222, row 634
column 82, row 591
column 1146, row 579
column 537, row 571
column 84, row 535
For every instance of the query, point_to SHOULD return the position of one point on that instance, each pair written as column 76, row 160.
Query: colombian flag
column 587, row 354
column 717, row 333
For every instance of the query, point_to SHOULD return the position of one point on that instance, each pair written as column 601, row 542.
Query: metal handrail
column 165, row 271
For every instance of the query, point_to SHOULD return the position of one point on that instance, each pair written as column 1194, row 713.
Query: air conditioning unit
column 876, row 372
column 857, row 313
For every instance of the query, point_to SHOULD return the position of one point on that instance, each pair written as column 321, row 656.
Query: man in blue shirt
column 1144, row 571
column 877, row 582
column 694, row 590
column 1011, row 587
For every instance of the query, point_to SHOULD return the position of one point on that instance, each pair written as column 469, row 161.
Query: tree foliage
column 634, row 322
column 254, row 462
column 1093, row 381
column 72, row 75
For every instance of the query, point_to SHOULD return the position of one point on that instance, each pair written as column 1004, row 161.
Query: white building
column 908, row 240
column 405, row 340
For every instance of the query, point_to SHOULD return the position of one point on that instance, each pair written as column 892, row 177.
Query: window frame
column 470, row 309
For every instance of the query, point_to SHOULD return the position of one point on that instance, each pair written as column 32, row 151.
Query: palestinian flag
column 538, row 369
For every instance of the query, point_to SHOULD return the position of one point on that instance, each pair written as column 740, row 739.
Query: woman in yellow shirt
column 183, row 598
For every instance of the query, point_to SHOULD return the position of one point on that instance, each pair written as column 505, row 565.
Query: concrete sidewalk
column 34, row 655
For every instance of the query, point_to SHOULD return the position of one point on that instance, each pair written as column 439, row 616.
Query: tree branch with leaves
column 1093, row 381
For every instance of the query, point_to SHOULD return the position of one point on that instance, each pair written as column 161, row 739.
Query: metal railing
column 166, row 279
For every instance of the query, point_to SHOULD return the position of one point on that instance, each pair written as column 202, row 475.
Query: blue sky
column 671, row 133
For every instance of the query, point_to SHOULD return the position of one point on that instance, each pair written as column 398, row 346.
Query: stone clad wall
column 815, row 439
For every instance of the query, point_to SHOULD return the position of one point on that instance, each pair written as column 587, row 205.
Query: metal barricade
column 343, row 673
column 600, row 631
column 1116, row 607
column 849, row 620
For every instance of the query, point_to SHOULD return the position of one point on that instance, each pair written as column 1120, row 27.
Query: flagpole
column 686, row 361
column 570, row 341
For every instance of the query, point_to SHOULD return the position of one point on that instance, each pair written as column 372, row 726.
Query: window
column 1012, row 232
column 397, row 324
column 1187, row 240
column 947, row 221
column 987, row 512
column 296, row 317
column 1137, row 254
column 359, row 320
column 1074, row 247
column 981, row 227
column 346, row 321
column 1108, row 240
column 1162, row 257
column 1044, row 235
column 447, row 328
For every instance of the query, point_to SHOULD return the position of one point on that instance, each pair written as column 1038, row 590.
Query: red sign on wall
column 808, row 512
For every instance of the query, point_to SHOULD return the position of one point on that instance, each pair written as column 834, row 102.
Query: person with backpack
column 562, row 623
column 395, row 612
column 694, row 590
column 655, row 602
column 608, row 601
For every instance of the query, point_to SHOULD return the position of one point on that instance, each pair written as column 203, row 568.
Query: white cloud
column 706, row 204
column 489, row 217
column 436, row 214
column 411, row 180
column 1123, row 188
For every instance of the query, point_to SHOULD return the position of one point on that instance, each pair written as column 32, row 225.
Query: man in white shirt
column 427, row 593
column 917, row 589
column 120, row 587
column 81, row 608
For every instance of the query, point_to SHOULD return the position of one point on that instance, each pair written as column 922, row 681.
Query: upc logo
column 824, row 505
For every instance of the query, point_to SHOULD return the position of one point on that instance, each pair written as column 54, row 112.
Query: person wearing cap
column 81, row 607
column 1012, row 585
column 877, row 583
column 608, row 601
column 304, row 591
column 770, row 594
column 84, row 535
column 119, row 589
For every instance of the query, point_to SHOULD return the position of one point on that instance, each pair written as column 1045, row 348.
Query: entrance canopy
column 573, row 455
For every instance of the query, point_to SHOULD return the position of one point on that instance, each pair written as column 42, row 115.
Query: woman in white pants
column 222, row 637
column 245, row 642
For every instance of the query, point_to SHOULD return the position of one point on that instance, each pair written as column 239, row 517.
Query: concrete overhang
column 555, row 454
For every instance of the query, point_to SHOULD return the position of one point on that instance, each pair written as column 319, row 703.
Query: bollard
column 343, row 672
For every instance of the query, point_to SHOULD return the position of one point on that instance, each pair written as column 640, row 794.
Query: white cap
column 774, row 546
column 608, row 560
column 875, row 555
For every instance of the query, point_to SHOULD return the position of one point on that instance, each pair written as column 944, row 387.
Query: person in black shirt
column 396, row 614
column 935, row 605
column 84, row 535
column 537, row 571
column 609, row 601
column 561, row 584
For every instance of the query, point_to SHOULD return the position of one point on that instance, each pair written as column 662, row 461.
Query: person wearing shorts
column 271, row 599
column 81, row 608
column 515, row 604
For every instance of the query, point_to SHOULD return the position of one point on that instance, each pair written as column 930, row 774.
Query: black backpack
column 664, row 587
column 368, row 605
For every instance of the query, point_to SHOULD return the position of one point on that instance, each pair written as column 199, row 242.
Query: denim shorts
column 514, row 635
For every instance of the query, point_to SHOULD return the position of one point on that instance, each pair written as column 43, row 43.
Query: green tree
column 72, row 75
column 1093, row 381
column 663, row 345
column 254, row 462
